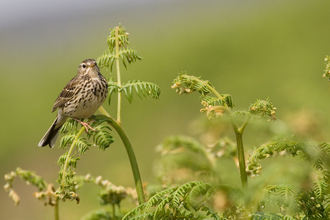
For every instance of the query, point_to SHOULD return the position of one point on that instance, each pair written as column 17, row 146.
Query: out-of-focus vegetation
column 250, row 50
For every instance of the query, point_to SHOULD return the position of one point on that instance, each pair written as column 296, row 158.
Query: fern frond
column 263, row 109
column 122, row 37
column 285, row 195
column 82, row 145
column 157, row 198
column 102, row 137
column 146, row 216
column 266, row 216
column 71, row 161
column 81, row 142
column 269, row 149
column 107, row 59
column 226, row 100
column 321, row 189
column 68, row 126
column 113, row 88
column 287, row 217
column 67, row 140
column 135, row 212
column 130, row 55
column 204, row 190
column 177, row 200
column 142, row 89
column 192, row 83
column 327, row 67
column 326, row 203
column 185, row 84
column 325, row 148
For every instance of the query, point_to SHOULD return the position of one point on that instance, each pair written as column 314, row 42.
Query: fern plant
column 221, row 105
column 182, row 202
column 75, row 144
column 312, row 201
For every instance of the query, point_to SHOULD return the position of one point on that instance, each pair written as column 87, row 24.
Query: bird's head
column 89, row 67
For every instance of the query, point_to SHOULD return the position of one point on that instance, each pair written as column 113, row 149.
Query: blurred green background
column 249, row 49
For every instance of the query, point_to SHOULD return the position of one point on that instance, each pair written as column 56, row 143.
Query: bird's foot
column 86, row 124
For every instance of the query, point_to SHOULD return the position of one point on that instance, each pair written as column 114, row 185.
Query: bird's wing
column 66, row 94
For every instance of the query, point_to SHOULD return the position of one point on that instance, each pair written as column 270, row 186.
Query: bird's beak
column 92, row 64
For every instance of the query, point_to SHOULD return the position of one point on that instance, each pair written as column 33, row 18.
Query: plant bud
column 98, row 179
column 7, row 186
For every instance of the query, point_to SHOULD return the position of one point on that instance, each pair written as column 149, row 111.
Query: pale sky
column 14, row 12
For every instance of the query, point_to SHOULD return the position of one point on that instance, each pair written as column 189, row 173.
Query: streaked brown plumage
column 80, row 99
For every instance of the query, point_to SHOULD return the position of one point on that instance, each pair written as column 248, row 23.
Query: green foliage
column 266, row 216
column 142, row 89
column 263, row 109
column 26, row 175
column 277, row 147
column 68, row 162
column 305, row 202
column 218, row 105
column 185, row 84
column 125, row 54
column 118, row 50
column 183, row 202
column 327, row 67
column 101, row 137
column 81, row 142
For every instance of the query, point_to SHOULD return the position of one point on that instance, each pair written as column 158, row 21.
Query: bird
column 79, row 100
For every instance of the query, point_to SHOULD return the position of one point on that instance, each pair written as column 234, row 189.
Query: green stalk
column 113, row 212
column 129, row 150
column 239, row 138
column 69, row 153
column 56, row 215
column 240, row 153
column 118, row 76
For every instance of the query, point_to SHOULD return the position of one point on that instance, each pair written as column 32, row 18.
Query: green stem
column 56, row 215
column 113, row 212
column 129, row 150
column 240, row 153
column 241, row 129
column 118, row 76
column 69, row 153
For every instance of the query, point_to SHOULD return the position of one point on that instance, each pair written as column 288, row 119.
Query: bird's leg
column 85, row 124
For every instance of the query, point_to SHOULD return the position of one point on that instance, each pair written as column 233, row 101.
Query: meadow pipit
column 80, row 99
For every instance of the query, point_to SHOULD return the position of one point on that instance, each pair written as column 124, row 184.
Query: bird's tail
column 51, row 135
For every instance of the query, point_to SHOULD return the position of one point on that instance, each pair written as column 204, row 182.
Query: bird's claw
column 86, row 125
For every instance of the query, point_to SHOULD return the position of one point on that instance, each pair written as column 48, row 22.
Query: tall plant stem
column 129, row 150
column 56, row 213
column 239, row 139
column 118, row 76
column 69, row 153
column 240, row 151
column 113, row 211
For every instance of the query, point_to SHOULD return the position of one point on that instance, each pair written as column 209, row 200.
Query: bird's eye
column 84, row 66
